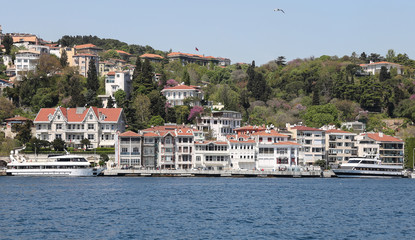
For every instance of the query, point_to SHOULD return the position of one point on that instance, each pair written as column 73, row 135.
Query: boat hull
column 345, row 173
column 89, row 172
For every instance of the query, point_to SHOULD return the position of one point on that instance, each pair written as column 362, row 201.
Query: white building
column 312, row 143
column 221, row 123
column 129, row 148
column 98, row 125
column 374, row 67
column 176, row 95
column 26, row 60
column 274, row 151
column 115, row 81
column 242, row 150
column 212, row 155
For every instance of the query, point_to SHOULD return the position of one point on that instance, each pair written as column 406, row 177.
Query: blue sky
column 240, row 30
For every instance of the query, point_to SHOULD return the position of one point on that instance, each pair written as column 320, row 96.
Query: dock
column 209, row 173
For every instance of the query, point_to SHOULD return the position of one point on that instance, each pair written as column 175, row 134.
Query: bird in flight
column 278, row 9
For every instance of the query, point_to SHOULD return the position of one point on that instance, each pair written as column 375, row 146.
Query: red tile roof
column 18, row 118
column 150, row 134
column 250, row 128
column 129, row 134
column 111, row 74
column 377, row 63
column 272, row 133
column 384, row 138
column 149, row 55
column 84, row 55
column 88, row 45
column 122, row 52
column 304, row 128
column 112, row 114
column 189, row 55
column 214, row 142
column 179, row 87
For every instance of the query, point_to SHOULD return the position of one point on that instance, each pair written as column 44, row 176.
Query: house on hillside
column 374, row 67
column 177, row 95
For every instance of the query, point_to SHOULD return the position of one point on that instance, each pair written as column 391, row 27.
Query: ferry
column 368, row 167
column 61, row 165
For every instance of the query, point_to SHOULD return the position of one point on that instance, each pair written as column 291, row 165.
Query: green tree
column 320, row 115
column 409, row 152
column 64, row 58
column 182, row 112
column 186, row 78
column 58, row 144
column 24, row 132
column 7, row 43
column 156, row 121
column 110, row 103
column 92, row 77
column 141, row 105
column 120, row 98
column 85, row 142
column 316, row 96
column 390, row 56
column 6, row 109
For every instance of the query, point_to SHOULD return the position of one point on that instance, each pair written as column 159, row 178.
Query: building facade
column 120, row 80
column 220, row 123
column 340, row 146
column 312, row 141
column 177, row 95
column 98, row 125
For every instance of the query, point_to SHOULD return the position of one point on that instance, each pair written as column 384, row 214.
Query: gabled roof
column 111, row 114
column 304, row 128
column 383, row 138
column 250, row 128
column 129, row 134
column 149, row 55
column 150, row 134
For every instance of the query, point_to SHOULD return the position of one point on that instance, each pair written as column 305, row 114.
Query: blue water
column 206, row 208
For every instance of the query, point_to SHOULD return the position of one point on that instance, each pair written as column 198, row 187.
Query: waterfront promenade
column 313, row 172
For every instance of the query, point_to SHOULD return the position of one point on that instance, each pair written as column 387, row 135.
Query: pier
column 209, row 173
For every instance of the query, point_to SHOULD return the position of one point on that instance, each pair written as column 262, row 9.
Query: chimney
column 381, row 134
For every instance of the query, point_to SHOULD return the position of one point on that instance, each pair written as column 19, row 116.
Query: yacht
column 61, row 165
column 368, row 167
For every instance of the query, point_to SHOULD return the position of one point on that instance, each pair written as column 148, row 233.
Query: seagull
column 278, row 9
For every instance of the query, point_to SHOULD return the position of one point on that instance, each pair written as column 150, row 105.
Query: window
column 90, row 117
column 91, row 136
column 58, row 136
column 90, row 126
column 124, row 150
column 58, row 126
column 59, row 117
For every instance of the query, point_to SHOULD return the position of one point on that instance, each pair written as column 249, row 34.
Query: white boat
column 63, row 165
column 368, row 167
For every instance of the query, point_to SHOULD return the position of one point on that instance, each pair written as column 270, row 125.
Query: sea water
column 206, row 208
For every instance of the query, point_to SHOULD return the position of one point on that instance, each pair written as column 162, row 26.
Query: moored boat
column 61, row 165
column 367, row 167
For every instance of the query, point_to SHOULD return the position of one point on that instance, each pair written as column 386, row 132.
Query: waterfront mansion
column 98, row 125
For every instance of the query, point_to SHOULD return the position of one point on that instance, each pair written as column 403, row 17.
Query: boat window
column 368, row 162
column 354, row 161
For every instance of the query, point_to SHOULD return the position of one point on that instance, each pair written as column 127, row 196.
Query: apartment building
column 98, row 125
column 81, row 62
column 274, row 151
column 119, row 80
column 242, row 152
column 312, row 141
column 220, row 123
column 152, row 57
column 26, row 60
column 128, row 150
column 388, row 149
column 340, row 146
